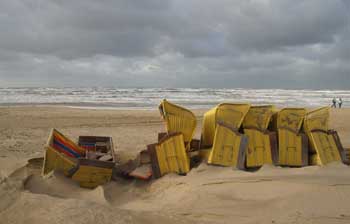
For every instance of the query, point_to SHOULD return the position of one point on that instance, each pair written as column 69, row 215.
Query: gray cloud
column 178, row 43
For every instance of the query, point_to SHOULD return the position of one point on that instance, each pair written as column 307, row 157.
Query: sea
column 149, row 98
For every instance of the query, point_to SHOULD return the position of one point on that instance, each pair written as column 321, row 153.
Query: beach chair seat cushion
column 66, row 146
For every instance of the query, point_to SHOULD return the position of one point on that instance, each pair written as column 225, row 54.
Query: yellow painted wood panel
column 172, row 156
column 258, row 117
column 290, row 148
column 178, row 120
column 54, row 160
column 92, row 176
column 226, row 147
column 229, row 114
column 326, row 147
column 259, row 148
column 291, row 119
column 316, row 126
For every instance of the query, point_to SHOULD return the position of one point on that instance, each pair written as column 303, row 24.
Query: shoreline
column 102, row 106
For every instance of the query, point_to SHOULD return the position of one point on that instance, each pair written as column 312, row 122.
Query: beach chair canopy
column 225, row 113
column 178, row 120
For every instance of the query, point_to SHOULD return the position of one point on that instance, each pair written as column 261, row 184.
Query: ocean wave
column 150, row 97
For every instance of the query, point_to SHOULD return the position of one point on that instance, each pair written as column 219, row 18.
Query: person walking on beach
column 340, row 102
column 334, row 101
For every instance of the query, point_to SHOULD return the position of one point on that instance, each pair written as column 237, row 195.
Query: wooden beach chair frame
column 87, row 172
column 262, row 143
column 325, row 143
column 178, row 120
column 292, row 142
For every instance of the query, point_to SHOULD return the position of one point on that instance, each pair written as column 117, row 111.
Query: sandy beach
column 206, row 195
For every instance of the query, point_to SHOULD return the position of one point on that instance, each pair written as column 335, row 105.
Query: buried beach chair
column 325, row 144
column 178, row 120
column 262, row 144
column 59, row 154
column 292, row 144
column 90, row 169
column 169, row 156
column 225, row 113
column 229, row 147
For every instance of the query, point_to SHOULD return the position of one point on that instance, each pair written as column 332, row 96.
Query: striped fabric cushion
column 66, row 146
column 88, row 146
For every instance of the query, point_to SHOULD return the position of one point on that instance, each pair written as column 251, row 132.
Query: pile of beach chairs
column 241, row 136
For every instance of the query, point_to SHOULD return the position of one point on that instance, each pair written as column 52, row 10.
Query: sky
column 293, row 44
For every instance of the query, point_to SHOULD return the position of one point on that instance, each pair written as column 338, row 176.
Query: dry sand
column 206, row 195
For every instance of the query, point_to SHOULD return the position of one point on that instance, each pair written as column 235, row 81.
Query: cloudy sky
column 176, row 43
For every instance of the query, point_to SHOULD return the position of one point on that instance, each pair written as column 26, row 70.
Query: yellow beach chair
column 54, row 160
column 292, row 144
column 225, row 113
column 64, row 155
column 229, row 147
column 325, row 143
column 178, row 120
column 169, row 156
column 262, row 144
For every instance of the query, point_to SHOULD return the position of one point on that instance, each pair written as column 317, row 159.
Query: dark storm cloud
column 226, row 43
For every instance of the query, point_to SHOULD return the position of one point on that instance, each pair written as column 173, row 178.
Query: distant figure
column 340, row 102
column 334, row 101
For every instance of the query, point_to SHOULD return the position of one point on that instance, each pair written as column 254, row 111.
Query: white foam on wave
column 150, row 97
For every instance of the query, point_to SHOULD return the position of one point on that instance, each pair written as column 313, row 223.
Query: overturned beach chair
column 292, row 143
column 91, row 166
column 262, row 144
column 229, row 147
column 325, row 143
column 169, row 156
column 225, row 113
column 178, row 120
